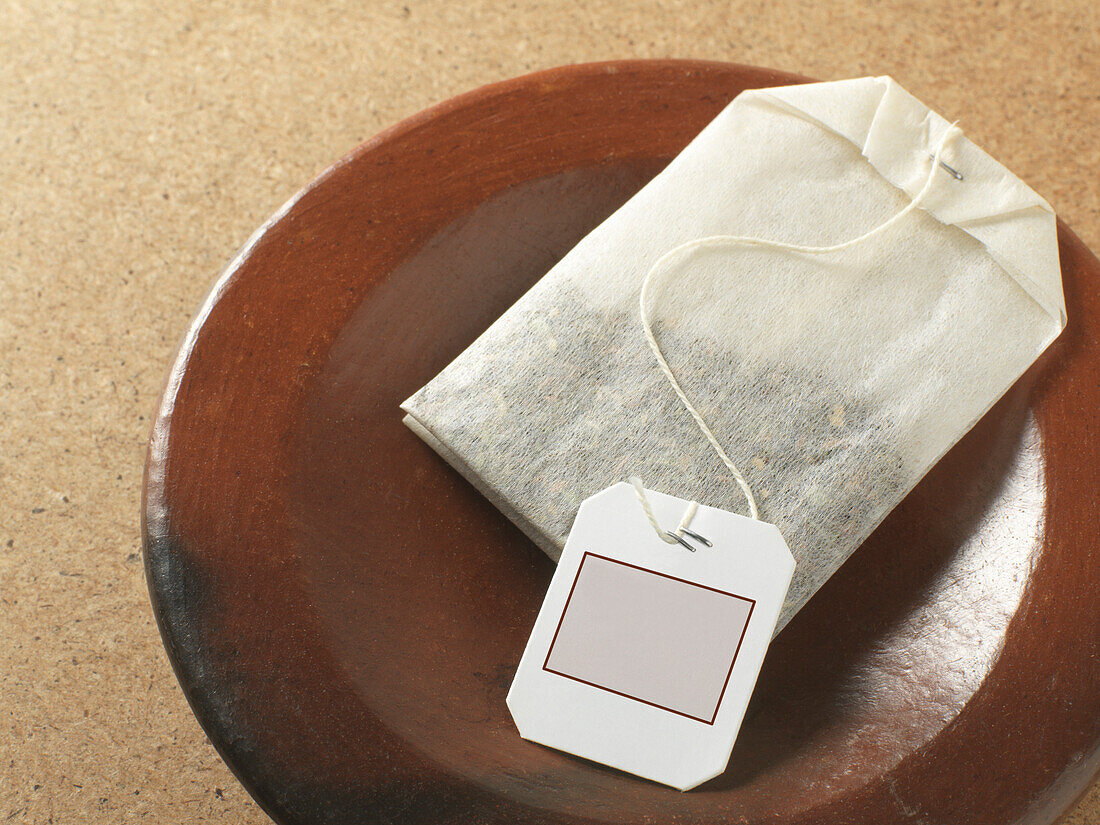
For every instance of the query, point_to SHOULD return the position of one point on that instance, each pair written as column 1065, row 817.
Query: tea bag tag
column 645, row 653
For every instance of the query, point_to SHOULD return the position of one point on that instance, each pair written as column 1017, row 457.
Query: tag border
column 729, row 673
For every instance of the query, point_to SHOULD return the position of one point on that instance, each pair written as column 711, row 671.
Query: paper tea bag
column 835, row 381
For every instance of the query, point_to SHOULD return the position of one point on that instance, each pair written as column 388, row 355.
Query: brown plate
column 345, row 613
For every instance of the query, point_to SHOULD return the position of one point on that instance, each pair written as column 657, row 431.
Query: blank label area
column 650, row 637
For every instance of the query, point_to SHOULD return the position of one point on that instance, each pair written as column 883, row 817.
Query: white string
column 735, row 240
column 685, row 522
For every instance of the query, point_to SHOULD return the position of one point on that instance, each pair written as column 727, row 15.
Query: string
column 713, row 241
column 685, row 521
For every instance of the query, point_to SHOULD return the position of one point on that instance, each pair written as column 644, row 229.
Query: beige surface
column 139, row 147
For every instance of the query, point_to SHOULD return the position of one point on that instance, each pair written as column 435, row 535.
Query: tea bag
column 835, row 381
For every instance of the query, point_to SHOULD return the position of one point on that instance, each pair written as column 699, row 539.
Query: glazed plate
column 345, row 613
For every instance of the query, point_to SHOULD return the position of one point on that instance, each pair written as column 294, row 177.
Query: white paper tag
column 644, row 654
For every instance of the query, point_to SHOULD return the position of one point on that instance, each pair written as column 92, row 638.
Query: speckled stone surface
column 140, row 149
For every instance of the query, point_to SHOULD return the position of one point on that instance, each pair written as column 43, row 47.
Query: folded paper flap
column 897, row 133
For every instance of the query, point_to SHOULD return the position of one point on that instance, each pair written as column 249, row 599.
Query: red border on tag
column 729, row 673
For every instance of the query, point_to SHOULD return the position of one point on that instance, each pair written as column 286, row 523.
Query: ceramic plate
column 345, row 613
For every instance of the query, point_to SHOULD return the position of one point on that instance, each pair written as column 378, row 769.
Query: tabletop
column 143, row 145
